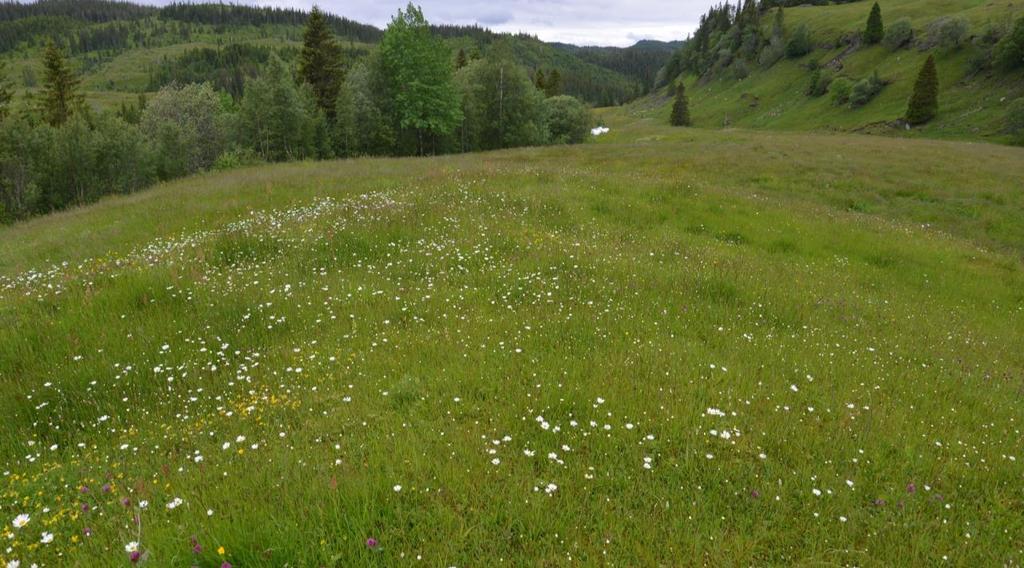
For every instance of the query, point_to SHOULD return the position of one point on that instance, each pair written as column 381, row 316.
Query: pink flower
column 371, row 542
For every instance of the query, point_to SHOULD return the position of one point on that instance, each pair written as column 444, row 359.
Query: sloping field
column 673, row 347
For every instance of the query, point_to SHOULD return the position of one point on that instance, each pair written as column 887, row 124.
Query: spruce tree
column 60, row 98
column 924, row 102
column 460, row 59
column 553, row 84
column 680, row 108
column 538, row 79
column 320, row 62
column 875, row 31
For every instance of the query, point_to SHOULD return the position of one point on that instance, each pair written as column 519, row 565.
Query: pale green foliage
column 899, row 34
column 947, row 32
column 187, row 126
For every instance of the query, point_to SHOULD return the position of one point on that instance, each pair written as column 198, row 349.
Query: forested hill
column 640, row 62
column 122, row 48
column 852, row 66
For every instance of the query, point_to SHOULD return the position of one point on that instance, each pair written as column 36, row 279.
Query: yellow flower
column 220, row 550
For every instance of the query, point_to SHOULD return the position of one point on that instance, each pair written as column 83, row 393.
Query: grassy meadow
column 665, row 347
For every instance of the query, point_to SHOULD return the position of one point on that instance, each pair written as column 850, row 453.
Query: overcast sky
column 582, row 22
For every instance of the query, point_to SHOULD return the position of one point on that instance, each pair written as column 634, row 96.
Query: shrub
column 840, row 90
column 740, row 70
column 237, row 158
column 820, row 81
column 799, row 44
column 772, row 53
column 568, row 119
column 1009, row 52
column 865, row 90
column 1015, row 121
column 899, row 35
column 946, row 32
column 186, row 127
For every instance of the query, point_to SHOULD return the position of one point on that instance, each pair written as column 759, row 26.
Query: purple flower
column 126, row 502
column 87, row 531
column 225, row 565
column 106, row 488
column 911, row 488
column 135, row 556
column 755, row 494
column 83, row 489
column 85, row 507
column 879, row 502
column 371, row 542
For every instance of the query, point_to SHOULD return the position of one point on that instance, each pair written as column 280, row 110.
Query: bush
column 820, row 81
column 78, row 163
column 501, row 107
column 568, row 119
column 187, row 128
column 1009, row 52
column 799, row 44
column 740, row 70
column 865, row 90
column 840, row 90
column 946, row 32
column 772, row 53
column 20, row 147
column 237, row 158
column 899, row 35
column 1015, row 121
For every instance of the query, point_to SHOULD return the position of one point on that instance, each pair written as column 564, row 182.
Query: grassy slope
column 398, row 336
column 970, row 107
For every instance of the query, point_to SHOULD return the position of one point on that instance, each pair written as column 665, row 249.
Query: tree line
column 411, row 96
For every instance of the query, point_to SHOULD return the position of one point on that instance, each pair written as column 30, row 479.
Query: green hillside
column 118, row 47
column 973, row 102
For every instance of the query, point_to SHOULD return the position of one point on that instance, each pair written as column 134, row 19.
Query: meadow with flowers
column 662, row 347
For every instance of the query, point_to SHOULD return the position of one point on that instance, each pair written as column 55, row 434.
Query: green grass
column 853, row 305
column 972, row 106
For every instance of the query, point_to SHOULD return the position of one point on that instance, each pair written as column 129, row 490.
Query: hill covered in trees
column 122, row 49
column 852, row 67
